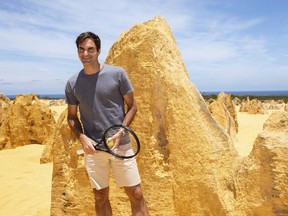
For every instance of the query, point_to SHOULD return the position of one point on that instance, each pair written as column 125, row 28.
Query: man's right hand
column 87, row 144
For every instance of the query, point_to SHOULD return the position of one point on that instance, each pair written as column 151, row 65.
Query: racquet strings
column 121, row 142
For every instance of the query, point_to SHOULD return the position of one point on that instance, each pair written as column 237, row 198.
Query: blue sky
column 226, row 45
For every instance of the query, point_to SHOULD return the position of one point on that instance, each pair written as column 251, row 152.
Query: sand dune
column 25, row 184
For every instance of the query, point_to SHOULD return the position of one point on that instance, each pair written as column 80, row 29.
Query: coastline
column 40, row 96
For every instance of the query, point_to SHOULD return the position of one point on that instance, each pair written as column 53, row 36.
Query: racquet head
column 121, row 141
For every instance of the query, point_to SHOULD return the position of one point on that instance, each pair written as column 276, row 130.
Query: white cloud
column 216, row 42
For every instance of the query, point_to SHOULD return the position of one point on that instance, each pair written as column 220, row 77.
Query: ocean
column 43, row 96
column 236, row 93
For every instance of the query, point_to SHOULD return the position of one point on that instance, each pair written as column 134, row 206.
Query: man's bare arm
column 76, row 127
column 131, row 109
column 73, row 120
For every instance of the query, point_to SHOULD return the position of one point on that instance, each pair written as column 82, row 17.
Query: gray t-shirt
column 100, row 98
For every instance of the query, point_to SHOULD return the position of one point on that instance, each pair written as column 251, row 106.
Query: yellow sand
column 25, row 184
column 249, row 127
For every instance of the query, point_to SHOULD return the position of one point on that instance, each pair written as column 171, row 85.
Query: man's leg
column 138, row 203
column 102, row 203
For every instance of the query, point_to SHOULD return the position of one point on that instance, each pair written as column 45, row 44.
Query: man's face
column 87, row 52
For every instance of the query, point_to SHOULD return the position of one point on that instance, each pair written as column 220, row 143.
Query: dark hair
column 83, row 36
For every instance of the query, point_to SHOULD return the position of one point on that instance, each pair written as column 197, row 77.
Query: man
column 101, row 92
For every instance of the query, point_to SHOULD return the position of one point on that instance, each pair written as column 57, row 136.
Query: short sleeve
column 125, row 86
column 69, row 94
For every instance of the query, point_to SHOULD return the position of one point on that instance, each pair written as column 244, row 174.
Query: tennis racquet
column 118, row 140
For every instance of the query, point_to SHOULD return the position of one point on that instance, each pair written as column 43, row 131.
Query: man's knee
column 134, row 193
column 101, row 196
column 138, row 193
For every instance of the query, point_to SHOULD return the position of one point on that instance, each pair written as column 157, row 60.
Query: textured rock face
column 230, row 105
column 71, row 192
column 27, row 121
column 224, row 111
column 48, row 152
column 182, row 145
column 274, row 105
column 253, row 107
column 4, row 105
column 262, row 178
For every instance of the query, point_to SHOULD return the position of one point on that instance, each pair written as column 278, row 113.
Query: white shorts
column 125, row 171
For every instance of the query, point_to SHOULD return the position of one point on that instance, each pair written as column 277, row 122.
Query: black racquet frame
column 108, row 150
